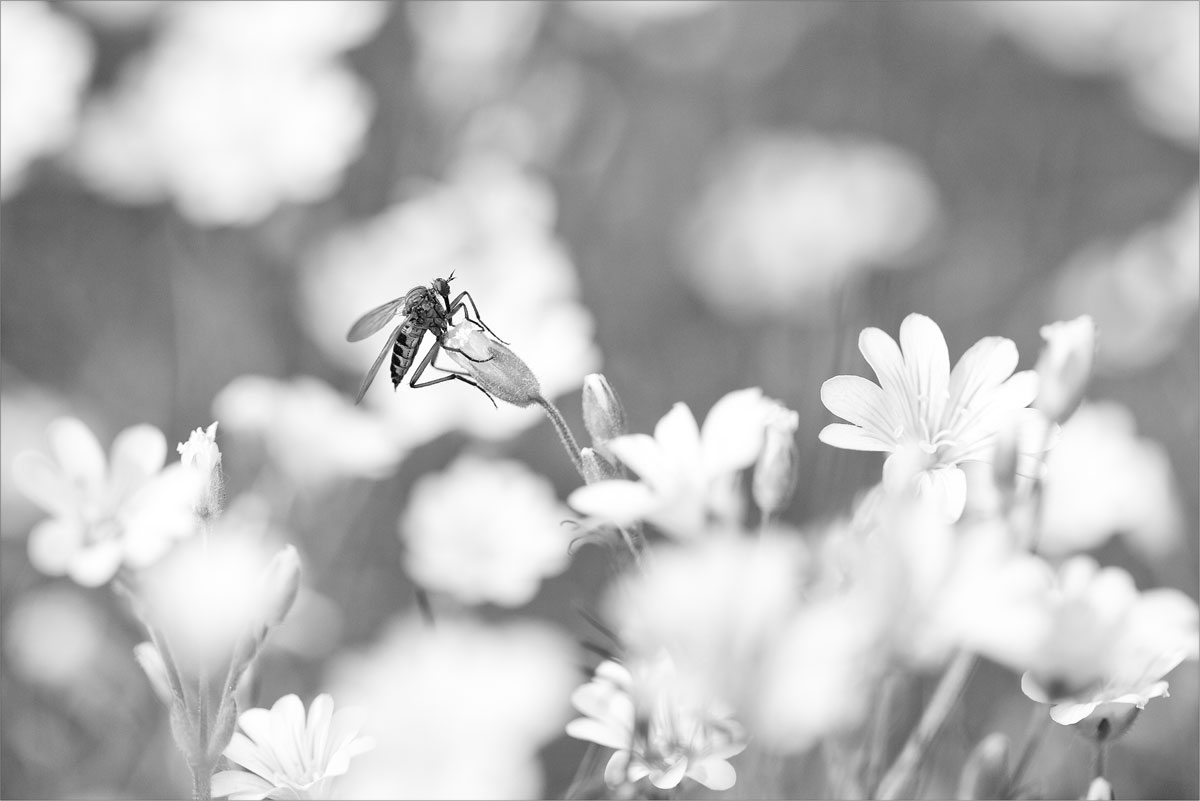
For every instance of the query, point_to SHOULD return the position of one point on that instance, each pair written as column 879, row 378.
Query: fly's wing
column 374, row 320
column 391, row 340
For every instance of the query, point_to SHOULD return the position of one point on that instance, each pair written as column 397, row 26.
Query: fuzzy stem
column 1098, row 764
column 564, row 434
column 201, row 783
column 899, row 776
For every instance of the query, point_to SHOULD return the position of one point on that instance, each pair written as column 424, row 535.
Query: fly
column 423, row 309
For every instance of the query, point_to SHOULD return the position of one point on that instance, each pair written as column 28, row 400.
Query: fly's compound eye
column 441, row 286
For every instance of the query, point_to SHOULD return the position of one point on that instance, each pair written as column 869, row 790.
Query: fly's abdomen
column 404, row 350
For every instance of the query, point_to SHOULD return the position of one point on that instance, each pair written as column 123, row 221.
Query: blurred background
column 696, row 196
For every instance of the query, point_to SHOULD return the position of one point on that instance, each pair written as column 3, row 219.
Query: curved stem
column 896, row 781
column 564, row 434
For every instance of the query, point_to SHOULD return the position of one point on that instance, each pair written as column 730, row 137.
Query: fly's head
column 442, row 287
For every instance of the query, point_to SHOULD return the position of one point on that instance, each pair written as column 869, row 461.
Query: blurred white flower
column 657, row 730
column 25, row 412
column 484, row 531
column 228, row 121
column 313, row 434
column 45, row 61
column 1142, row 292
column 927, row 417
column 687, row 473
column 211, row 592
column 105, row 513
column 1152, row 48
column 786, row 220
column 1102, row 480
column 1064, row 366
column 492, row 225
column 284, row 755
column 1103, row 642
column 459, row 711
column 467, row 50
column 54, row 637
column 714, row 605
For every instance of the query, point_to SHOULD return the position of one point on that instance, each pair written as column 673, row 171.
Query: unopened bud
column 152, row 664
column 1100, row 790
column 493, row 366
column 775, row 471
column 201, row 458
column 603, row 414
column 280, row 583
column 1065, row 366
column 596, row 467
column 986, row 772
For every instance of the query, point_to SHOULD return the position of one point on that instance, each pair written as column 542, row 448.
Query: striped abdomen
column 405, row 349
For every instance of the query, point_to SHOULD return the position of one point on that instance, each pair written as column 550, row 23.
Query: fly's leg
column 451, row 374
column 460, row 303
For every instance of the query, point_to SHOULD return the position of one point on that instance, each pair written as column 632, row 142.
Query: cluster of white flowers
column 234, row 110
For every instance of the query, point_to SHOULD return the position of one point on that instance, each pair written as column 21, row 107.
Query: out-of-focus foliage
column 200, row 198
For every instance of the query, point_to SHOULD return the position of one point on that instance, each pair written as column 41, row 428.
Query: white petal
column 861, row 402
column 679, row 437
column 343, row 729
column 644, row 456
column 671, row 777
column 852, row 438
column 251, row 757
column 245, row 785
column 1066, row 714
column 885, row 358
column 317, row 728
column 617, row 500
column 715, row 774
column 596, row 732
column 1032, row 689
column 78, row 452
column 984, row 366
column 927, row 362
column 95, row 564
column 53, row 544
column 603, row 702
column 138, row 452
column 732, row 434
column 40, row 480
column 616, row 772
column 256, row 723
column 287, row 726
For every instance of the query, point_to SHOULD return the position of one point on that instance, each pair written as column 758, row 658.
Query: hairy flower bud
column 1065, row 366
column 986, row 772
column 775, row 471
column 151, row 662
column 596, row 467
column 603, row 414
column 201, row 458
column 493, row 366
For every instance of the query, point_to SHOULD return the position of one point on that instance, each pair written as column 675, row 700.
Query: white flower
column 492, row 224
column 210, row 593
column 44, row 67
column 1103, row 480
column 209, row 116
column 679, row 734
column 796, row 216
column 284, row 755
column 686, row 471
column 311, row 432
column 484, row 531
column 929, row 418
column 54, row 637
column 1103, row 642
column 715, row 605
column 105, row 513
column 459, row 711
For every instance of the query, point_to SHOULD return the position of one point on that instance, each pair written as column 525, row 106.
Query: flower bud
column 280, row 584
column 775, row 471
column 596, row 467
column 986, row 772
column 1065, row 366
column 498, row 371
column 201, row 458
column 151, row 662
column 603, row 414
column 1100, row 790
